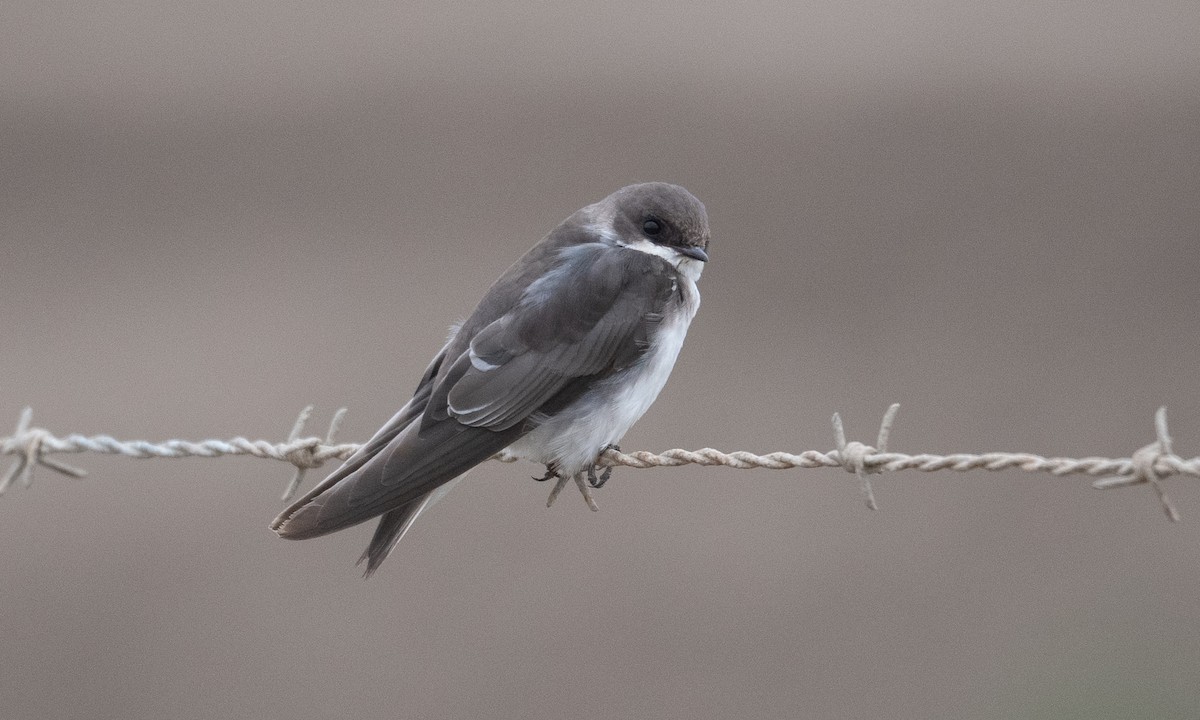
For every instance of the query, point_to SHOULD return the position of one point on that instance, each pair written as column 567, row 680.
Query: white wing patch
column 479, row 363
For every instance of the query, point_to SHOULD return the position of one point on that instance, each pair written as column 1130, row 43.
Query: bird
column 563, row 354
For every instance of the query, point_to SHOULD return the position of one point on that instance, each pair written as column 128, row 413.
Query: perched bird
column 564, row 353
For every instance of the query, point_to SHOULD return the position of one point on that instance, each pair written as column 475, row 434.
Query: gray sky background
column 217, row 213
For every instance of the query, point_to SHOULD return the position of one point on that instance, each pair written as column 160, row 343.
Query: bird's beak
column 695, row 253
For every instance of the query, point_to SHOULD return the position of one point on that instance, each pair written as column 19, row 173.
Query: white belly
column 573, row 438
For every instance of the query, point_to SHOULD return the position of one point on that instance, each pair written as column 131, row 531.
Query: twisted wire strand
column 1149, row 465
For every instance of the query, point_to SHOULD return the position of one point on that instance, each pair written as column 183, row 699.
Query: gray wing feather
column 417, row 461
column 581, row 323
column 382, row 437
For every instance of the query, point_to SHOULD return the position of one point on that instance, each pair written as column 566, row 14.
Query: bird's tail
column 394, row 525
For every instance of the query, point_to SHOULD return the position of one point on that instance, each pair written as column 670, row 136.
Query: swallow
column 564, row 353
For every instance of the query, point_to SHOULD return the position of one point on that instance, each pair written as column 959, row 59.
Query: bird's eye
column 652, row 227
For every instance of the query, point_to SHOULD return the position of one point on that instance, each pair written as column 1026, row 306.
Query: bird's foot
column 584, row 489
column 597, row 481
column 554, row 491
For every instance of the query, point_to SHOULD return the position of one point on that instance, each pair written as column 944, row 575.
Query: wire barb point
column 27, row 444
column 855, row 457
column 303, row 452
column 1144, row 467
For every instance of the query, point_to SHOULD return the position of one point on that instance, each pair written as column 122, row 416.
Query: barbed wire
column 1148, row 465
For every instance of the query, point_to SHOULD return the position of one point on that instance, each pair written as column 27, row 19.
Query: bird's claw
column 551, row 474
column 597, row 481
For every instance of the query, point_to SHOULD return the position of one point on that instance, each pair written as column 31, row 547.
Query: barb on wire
column 853, row 455
column 1144, row 466
column 304, row 454
column 27, row 443
column 1150, row 465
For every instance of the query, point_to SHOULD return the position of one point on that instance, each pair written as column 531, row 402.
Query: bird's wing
column 590, row 314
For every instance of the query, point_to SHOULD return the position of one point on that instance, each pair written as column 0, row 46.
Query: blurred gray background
column 217, row 213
